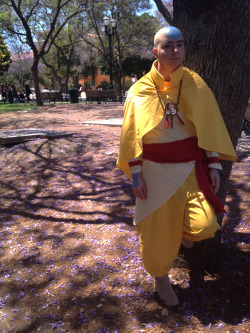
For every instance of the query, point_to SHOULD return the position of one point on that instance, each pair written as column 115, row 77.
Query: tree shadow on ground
column 71, row 182
column 75, row 183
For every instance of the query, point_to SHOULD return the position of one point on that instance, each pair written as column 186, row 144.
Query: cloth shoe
column 165, row 291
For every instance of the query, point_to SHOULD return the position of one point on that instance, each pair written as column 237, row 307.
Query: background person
column 28, row 92
column 3, row 92
column 14, row 93
column 21, row 97
column 133, row 79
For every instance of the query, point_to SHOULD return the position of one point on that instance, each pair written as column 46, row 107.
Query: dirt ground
column 69, row 252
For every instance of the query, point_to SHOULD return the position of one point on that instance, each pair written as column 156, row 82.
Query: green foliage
column 133, row 35
column 7, row 79
column 57, row 30
column 104, row 84
column 38, row 24
column 62, row 60
column 34, row 21
column 87, row 85
column 20, row 71
column 88, row 69
column 136, row 65
column 5, row 57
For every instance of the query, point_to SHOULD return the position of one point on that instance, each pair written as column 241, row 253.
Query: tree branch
column 164, row 12
column 77, row 11
column 25, row 25
column 32, row 11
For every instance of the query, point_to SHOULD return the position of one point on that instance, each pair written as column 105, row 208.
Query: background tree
column 63, row 59
column 5, row 57
column 20, row 69
column 137, row 65
column 217, row 36
column 90, row 62
column 28, row 20
column 131, row 35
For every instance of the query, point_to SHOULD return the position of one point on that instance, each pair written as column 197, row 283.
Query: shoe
column 165, row 291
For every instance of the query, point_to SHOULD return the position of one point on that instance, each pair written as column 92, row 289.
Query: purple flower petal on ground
column 53, row 326
column 21, row 294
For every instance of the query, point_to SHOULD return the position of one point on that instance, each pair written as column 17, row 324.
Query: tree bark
column 217, row 48
column 35, row 74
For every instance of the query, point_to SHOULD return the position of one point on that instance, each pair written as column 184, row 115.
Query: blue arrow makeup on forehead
column 173, row 33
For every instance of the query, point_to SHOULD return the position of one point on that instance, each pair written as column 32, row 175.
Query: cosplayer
column 171, row 140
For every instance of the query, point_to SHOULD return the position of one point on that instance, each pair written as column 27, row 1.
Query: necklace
column 171, row 109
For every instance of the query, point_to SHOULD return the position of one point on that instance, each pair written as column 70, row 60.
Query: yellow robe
column 143, row 112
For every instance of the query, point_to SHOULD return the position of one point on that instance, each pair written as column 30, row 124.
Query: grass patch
column 6, row 107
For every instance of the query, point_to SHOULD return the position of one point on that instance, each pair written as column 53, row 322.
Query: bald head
column 170, row 31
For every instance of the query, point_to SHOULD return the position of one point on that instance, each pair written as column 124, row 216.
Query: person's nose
column 175, row 49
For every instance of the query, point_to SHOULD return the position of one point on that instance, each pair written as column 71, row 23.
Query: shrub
column 104, row 84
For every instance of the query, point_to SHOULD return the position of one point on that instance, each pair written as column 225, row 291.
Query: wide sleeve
column 130, row 142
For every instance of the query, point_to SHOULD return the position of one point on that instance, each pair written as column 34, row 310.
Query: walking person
column 172, row 138
column 14, row 93
column 3, row 92
column 27, row 92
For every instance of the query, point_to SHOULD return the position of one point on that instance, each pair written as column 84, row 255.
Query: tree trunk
column 66, row 82
column 123, row 85
column 217, row 48
column 35, row 74
column 93, row 79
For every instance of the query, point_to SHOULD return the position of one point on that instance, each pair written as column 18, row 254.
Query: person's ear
column 155, row 52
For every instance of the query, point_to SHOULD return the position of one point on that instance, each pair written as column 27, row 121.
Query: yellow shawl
column 143, row 112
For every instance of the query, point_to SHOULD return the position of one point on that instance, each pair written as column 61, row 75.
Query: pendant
column 171, row 110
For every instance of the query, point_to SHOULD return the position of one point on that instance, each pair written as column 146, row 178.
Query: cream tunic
column 163, row 179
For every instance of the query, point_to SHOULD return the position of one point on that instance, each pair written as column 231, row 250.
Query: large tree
column 218, row 48
column 132, row 33
column 5, row 56
column 19, row 71
column 38, row 23
column 63, row 57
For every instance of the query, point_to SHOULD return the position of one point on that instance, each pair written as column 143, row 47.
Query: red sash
column 185, row 151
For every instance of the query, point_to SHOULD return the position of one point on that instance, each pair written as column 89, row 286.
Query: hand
column 139, row 187
column 215, row 178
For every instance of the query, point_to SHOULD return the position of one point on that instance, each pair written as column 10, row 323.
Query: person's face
column 169, row 52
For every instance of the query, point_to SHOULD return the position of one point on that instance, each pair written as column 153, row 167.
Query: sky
column 154, row 8
column 153, row 4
